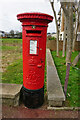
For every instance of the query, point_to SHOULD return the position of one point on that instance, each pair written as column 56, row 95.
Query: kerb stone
column 10, row 93
column 54, row 88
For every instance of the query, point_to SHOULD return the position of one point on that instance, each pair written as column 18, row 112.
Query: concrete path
column 23, row 112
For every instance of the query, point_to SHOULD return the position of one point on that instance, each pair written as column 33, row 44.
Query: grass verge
column 14, row 73
column 11, row 40
column 73, row 96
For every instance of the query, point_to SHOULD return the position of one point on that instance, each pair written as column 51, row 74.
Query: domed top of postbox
column 34, row 17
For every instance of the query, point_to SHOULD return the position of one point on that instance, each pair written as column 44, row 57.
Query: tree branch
column 52, row 5
column 57, row 28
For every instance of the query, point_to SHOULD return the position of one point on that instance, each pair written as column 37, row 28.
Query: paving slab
column 26, row 113
column 10, row 93
column 54, row 88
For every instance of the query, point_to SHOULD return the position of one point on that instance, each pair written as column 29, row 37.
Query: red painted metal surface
column 34, row 26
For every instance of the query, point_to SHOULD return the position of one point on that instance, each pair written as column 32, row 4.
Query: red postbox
column 34, row 33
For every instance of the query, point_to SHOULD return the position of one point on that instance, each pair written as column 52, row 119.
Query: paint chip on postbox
column 33, row 46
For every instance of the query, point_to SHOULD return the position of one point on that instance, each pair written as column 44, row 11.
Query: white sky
column 10, row 8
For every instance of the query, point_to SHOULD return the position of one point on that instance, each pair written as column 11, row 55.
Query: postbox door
column 34, row 61
column 34, row 65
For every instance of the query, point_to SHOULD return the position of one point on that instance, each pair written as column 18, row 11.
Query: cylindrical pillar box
column 34, row 33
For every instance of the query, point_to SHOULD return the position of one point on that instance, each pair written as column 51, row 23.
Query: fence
column 51, row 44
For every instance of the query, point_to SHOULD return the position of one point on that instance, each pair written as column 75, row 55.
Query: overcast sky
column 10, row 8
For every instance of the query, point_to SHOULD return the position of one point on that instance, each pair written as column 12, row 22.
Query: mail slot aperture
column 33, row 31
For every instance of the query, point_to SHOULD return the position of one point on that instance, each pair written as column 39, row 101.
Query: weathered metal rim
column 35, row 15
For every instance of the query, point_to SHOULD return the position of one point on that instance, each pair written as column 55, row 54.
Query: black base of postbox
column 33, row 98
